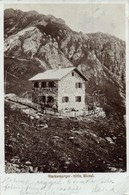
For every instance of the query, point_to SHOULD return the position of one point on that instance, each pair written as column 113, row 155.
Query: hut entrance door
column 48, row 101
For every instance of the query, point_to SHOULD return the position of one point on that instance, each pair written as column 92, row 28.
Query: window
column 65, row 99
column 51, row 84
column 50, row 99
column 36, row 84
column 78, row 85
column 78, row 98
column 43, row 84
column 72, row 73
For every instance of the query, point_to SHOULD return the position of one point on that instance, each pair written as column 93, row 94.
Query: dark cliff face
column 36, row 42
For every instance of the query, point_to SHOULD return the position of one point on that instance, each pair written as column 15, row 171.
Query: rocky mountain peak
column 48, row 41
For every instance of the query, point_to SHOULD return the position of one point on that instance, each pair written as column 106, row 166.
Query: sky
column 88, row 18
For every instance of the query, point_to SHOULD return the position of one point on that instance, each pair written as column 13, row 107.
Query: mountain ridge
column 48, row 41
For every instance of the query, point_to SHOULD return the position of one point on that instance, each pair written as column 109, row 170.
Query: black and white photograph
column 65, row 88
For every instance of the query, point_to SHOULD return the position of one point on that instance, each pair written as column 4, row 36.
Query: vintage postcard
column 65, row 98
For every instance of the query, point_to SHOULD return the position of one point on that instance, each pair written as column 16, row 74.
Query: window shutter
column 80, row 85
column 67, row 99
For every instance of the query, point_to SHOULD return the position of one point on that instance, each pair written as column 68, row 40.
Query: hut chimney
column 59, row 66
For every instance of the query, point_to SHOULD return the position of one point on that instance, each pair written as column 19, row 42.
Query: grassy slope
column 66, row 145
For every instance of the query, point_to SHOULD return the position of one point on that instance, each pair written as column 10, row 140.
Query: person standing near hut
column 43, row 108
column 55, row 108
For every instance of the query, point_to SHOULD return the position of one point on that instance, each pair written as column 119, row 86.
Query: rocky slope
column 35, row 42
column 37, row 142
